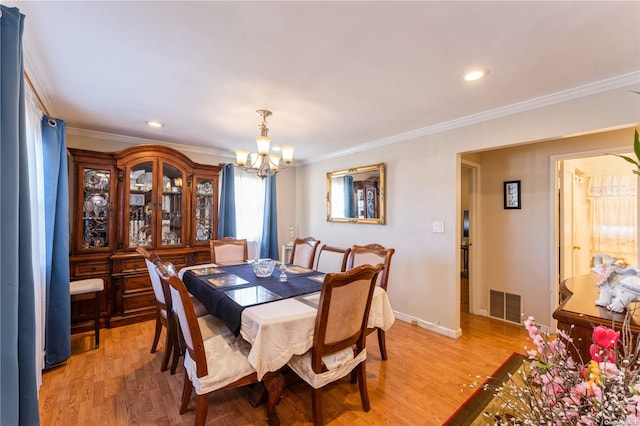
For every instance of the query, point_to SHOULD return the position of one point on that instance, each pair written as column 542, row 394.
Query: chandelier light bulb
column 241, row 156
column 287, row 153
column 262, row 162
column 275, row 160
column 263, row 144
column 256, row 160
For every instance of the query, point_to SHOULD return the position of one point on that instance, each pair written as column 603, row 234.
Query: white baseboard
column 437, row 328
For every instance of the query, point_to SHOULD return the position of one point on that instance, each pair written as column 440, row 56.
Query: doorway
column 596, row 213
column 467, row 231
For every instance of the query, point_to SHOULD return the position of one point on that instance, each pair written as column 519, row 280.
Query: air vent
column 505, row 306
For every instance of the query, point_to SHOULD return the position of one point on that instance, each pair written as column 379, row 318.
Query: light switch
column 438, row 227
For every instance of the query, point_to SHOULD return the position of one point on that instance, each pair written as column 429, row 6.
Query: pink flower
column 609, row 369
column 600, row 355
column 604, row 341
column 587, row 420
column 531, row 327
column 605, row 337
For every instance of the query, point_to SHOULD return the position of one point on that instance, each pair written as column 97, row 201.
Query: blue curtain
column 57, row 341
column 227, row 209
column 18, row 382
column 349, row 198
column 269, row 245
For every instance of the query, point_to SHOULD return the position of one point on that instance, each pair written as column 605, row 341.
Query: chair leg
column 362, row 384
column 316, row 404
column 354, row 377
column 167, row 351
column 383, row 344
column 97, row 326
column 186, row 394
column 176, row 359
column 156, row 337
column 202, row 405
column 178, row 346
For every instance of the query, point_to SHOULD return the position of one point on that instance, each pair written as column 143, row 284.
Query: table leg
column 258, row 395
column 274, row 383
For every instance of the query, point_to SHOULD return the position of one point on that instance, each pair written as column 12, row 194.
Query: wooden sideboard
column 144, row 196
column 578, row 309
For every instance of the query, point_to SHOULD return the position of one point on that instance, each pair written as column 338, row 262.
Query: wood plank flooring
column 121, row 384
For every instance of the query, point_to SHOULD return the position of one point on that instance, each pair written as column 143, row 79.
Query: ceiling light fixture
column 262, row 163
column 475, row 75
column 153, row 123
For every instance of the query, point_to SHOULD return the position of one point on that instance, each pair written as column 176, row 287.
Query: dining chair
column 332, row 259
column 211, row 364
column 304, row 252
column 340, row 335
column 162, row 318
column 161, row 308
column 374, row 254
column 228, row 250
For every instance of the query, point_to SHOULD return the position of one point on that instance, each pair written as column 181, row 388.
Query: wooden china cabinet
column 145, row 196
column 366, row 198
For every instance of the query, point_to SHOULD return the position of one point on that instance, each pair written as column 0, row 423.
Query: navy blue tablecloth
column 220, row 305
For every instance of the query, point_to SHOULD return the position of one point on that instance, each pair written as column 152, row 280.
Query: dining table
column 276, row 317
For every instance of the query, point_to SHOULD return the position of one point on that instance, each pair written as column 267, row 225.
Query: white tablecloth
column 278, row 330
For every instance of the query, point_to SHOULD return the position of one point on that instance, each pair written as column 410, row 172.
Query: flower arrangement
column 553, row 388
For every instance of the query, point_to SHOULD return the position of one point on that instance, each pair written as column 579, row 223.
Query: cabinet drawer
column 85, row 269
column 134, row 265
column 201, row 258
column 179, row 261
column 136, row 283
column 139, row 301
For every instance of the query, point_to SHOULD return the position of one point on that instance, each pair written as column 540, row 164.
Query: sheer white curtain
column 613, row 216
column 249, row 209
column 36, row 183
column 337, row 203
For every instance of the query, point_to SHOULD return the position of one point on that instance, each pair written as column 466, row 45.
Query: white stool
column 89, row 289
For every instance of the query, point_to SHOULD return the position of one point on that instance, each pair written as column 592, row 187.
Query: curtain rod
column 35, row 92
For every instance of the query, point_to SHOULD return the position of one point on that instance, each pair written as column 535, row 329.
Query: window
column 249, row 194
column 337, row 203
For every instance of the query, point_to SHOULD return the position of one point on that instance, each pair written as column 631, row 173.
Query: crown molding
column 543, row 101
column 38, row 88
column 134, row 140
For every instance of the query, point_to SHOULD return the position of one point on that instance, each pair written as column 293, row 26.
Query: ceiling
column 338, row 76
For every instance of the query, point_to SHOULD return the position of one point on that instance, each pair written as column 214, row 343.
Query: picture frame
column 512, row 195
column 136, row 199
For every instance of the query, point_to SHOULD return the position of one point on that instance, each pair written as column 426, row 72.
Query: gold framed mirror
column 357, row 195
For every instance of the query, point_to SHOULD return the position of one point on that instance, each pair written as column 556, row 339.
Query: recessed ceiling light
column 475, row 74
column 153, row 123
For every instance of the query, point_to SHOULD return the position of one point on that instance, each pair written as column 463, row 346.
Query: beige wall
column 423, row 187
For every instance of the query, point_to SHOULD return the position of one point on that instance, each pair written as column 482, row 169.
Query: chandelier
column 262, row 162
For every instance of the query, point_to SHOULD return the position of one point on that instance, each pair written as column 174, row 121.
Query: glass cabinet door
column 96, row 208
column 172, row 229
column 204, row 209
column 141, row 205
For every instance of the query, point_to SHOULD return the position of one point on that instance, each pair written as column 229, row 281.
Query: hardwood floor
column 421, row 384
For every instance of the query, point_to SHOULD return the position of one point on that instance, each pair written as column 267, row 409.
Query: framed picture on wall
column 512, row 195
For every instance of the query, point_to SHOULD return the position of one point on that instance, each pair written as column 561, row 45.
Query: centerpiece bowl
column 264, row 267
